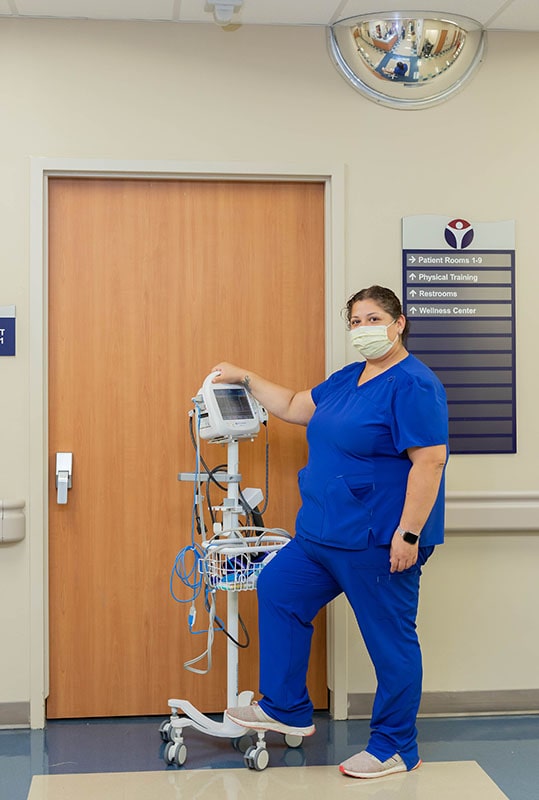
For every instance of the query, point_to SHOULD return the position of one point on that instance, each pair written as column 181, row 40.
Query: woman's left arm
column 421, row 492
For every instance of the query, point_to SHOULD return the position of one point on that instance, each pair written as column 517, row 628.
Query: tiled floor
column 479, row 758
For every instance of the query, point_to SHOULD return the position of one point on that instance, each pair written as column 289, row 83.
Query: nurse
column 372, row 512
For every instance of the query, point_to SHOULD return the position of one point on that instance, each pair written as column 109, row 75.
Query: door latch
column 64, row 469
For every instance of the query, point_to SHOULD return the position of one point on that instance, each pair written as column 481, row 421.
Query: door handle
column 64, row 470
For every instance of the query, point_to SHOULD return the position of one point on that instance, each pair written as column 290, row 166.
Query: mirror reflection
column 409, row 50
column 429, row 56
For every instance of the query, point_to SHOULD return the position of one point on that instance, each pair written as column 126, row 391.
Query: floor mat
column 464, row 780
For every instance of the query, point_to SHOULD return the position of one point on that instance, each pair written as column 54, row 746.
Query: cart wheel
column 181, row 755
column 175, row 753
column 293, row 740
column 256, row 758
column 164, row 730
column 168, row 753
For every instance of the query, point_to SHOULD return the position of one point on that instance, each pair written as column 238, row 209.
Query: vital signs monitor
column 228, row 411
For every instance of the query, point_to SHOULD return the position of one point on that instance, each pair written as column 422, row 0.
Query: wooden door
column 151, row 283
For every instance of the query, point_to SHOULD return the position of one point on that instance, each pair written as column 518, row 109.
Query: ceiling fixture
column 407, row 59
column 223, row 10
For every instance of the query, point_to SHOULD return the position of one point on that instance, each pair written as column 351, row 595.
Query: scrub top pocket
column 347, row 512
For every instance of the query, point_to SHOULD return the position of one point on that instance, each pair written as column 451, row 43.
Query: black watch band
column 408, row 536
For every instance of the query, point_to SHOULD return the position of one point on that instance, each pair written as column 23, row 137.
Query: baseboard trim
column 509, row 701
column 14, row 714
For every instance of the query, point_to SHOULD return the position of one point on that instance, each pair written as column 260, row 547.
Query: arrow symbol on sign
column 413, row 293
column 413, row 276
column 411, row 259
column 412, row 310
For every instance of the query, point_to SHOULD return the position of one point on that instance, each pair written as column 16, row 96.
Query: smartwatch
column 408, row 536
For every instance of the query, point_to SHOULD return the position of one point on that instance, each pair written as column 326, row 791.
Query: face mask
column 372, row 341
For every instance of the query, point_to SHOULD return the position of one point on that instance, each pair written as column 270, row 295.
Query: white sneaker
column 255, row 719
column 365, row 765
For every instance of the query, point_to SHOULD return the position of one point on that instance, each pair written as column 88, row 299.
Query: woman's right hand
column 295, row 407
column 228, row 373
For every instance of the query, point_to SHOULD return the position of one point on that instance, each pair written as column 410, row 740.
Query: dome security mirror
column 406, row 59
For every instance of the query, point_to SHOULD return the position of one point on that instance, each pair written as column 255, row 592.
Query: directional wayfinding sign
column 459, row 296
column 7, row 330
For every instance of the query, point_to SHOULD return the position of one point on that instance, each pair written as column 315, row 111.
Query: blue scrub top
column 354, row 483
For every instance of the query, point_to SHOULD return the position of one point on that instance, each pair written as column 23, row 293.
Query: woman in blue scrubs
column 372, row 511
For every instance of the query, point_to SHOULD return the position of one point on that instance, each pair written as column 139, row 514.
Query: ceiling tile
column 521, row 15
column 97, row 9
column 480, row 10
column 269, row 12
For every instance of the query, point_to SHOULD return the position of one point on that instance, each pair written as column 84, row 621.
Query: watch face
column 409, row 537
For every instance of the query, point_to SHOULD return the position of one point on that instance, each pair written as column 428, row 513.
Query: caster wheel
column 256, row 758
column 164, row 730
column 175, row 753
column 293, row 740
column 242, row 743
column 168, row 754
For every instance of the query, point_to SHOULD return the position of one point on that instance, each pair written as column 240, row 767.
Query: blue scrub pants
column 294, row 586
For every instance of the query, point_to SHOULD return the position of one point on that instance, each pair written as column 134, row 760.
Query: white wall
column 197, row 93
column 478, row 600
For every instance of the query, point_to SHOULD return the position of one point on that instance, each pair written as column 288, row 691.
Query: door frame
column 38, row 504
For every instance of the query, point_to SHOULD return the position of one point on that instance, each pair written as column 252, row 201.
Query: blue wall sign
column 7, row 330
column 458, row 293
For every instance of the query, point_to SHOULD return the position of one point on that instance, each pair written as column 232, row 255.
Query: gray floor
column 505, row 747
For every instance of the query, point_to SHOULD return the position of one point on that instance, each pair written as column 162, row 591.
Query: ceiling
column 512, row 15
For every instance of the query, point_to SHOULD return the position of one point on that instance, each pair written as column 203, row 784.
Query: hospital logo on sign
column 459, row 234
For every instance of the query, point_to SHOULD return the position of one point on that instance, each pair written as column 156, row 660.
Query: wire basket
column 233, row 563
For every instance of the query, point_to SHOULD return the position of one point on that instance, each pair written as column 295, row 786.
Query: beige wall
column 197, row 93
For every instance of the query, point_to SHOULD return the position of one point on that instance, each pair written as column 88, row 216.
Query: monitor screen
column 233, row 403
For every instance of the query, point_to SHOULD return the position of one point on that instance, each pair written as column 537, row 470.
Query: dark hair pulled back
column 385, row 298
